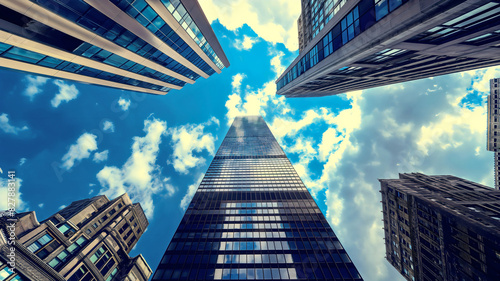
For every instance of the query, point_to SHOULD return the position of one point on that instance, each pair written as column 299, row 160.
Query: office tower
column 441, row 228
column 87, row 241
column 493, row 126
column 148, row 46
column 252, row 218
column 360, row 44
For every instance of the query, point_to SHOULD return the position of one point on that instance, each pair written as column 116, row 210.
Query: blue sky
column 68, row 141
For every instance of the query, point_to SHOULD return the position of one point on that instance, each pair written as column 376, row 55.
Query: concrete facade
column 148, row 46
column 493, row 141
column 88, row 240
column 412, row 39
column 441, row 228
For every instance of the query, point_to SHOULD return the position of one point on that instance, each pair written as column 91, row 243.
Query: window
column 103, row 260
column 38, row 247
column 81, row 274
column 59, row 259
column 66, row 229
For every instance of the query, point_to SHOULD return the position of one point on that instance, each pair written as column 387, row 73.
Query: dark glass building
column 149, row 46
column 360, row 44
column 252, row 218
column 441, row 228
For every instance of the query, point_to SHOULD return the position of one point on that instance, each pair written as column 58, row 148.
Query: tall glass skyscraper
column 252, row 218
column 149, row 46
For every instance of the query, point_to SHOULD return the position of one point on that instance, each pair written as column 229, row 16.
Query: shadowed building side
column 149, row 46
column 359, row 44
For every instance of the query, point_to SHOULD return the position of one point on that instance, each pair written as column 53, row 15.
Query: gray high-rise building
column 494, row 126
column 441, row 228
column 360, row 44
column 89, row 240
column 149, row 46
column 252, row 218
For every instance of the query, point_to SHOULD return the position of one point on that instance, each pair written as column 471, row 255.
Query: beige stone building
column 88, row 240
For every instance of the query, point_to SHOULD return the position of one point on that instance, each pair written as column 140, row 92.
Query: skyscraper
column 148, row 46
column 493, row 126
column 87, row 241
column 252, row 218
column 360, row 44
column 441, row 228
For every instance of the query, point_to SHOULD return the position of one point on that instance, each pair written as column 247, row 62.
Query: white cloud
column 34, row 85
column 84, row 145
column 22, row 161
column 101, row 156
column 62, row 207
column 403, row 128
column 188, row 139
column 124, row 103
column 5, row 193
column 66, row 93
column 140, row 176
column 40, row 205
column 274, row 21
column 7, row 127
column 108, row 126
column 245, row 44
column 255, row 102
column 190, row 192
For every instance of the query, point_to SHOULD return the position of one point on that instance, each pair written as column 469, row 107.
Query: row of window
column 90, row 18
column 185, row 20
column 359, row 19
column 62, row 257
column 255, row 245
column 15, row 53
column 461, row 25
column 252, row 189
column 258, row 234
column 259, row 211
column 147, row 17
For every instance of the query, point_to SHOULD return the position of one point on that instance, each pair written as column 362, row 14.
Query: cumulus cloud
column 34, row 85
column 101, row 156
column 255, row 102
column 412, row 127
column 188, row 139
column 190, row 192
column 245, row 44
column 66, row 93
column 41, row 205
column 124, row 103
column 82, row 149
column 5, row 193
column 7, row 127
column 274, row 21
column 108, row 126
column 140, row 176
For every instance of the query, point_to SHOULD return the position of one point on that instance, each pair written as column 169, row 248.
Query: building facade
column 441, row 228
column 252, row 218
column 87, row 241
column 148, row 46
column 360, row 44
column 494, row 126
